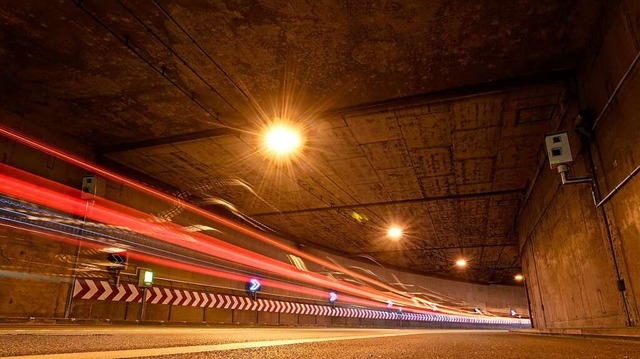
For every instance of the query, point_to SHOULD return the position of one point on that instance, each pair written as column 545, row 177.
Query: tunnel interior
column 428, row 118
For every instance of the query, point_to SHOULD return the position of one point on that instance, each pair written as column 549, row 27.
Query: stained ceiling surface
column 425, row 114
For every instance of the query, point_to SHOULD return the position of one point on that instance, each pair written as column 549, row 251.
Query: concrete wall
column 574, row 254
column 34, row 274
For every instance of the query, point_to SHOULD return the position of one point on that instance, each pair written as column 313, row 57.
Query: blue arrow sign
column 116, row 260
column 333, row 297
column 255, row 285
column 389, row 304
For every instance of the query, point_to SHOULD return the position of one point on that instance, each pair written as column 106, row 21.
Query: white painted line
column 136, row 353
column 77, row 288
column 158, row 296
column 107, row 290
column 134, row 292
column 178, row 295
column 169, row 296
column 121, row 293
column 93, row 290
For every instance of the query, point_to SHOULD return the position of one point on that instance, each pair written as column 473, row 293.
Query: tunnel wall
column 573, row 253
column 36, row 272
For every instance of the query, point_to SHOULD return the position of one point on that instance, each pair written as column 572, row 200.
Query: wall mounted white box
column 558, row 149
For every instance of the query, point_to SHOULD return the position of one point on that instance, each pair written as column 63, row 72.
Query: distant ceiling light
column 518, row 277
column 113, row 250
column 282, row 140
column 394, row 232
column 360, row 217
column 461, row 263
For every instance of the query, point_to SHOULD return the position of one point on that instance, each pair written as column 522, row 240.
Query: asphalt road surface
column 190, row 342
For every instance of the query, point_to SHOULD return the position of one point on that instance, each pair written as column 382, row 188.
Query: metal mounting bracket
column 564, row 170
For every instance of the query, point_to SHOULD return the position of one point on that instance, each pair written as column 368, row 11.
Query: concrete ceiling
column 178, row 90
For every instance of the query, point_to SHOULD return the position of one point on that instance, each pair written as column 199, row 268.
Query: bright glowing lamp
column 461, row 263
column 518, row 277
column 113, row 250
column 394, row 232
column 282, row 140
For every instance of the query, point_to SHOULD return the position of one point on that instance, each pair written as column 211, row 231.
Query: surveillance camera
column 558, row 149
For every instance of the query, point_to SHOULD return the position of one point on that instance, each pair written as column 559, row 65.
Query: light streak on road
column 41, row 191
column 170, row 263
column 77, row 161
column 109, row 212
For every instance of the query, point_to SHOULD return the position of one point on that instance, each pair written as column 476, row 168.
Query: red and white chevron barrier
column 92, row 289
column 103, row 290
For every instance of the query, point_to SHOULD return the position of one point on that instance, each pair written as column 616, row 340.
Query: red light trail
column 50, row 150
column 203, row 270
column 31, row 188
column 38, row 190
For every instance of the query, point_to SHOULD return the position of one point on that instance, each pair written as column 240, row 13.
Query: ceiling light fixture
column 282, row 140
column 518, row 277
column 113, row 250
column 394, row 232
column 461, row 263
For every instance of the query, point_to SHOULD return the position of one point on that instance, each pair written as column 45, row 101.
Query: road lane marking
column 205, row 331
column 136, row 353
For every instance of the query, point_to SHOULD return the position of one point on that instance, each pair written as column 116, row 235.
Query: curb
column 602, row 333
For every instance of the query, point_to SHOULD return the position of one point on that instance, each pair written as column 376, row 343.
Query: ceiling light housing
column 461, row 263
column 113, row 250
column 394, row 232
column 282, row 140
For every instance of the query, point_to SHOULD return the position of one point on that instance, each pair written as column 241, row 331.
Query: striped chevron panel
column 92, row 289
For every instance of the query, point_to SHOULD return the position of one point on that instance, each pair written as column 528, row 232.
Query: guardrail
column 95, row 289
